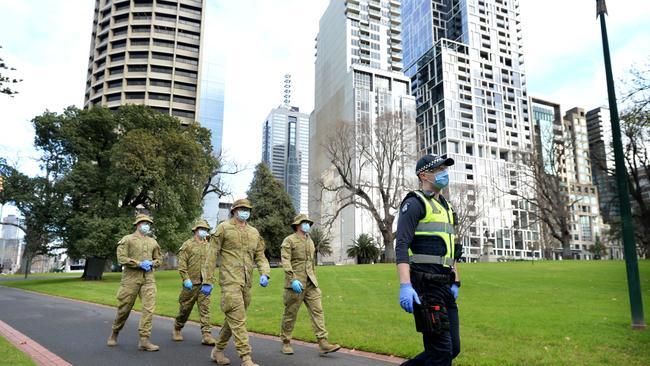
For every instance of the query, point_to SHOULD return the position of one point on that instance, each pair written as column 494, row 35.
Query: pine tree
column 272, row 211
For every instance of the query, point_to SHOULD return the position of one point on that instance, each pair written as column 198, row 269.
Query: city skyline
column 561, row 66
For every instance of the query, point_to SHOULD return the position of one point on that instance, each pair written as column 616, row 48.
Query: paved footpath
column 77, row 332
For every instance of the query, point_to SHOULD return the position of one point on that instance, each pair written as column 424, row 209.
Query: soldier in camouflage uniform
column 301, row 285
column 191, row 258
column 139, row 255
column 239, row 246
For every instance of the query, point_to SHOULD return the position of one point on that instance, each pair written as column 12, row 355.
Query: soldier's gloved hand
column 187, row 284
column 454, row 290
column 406, row 296
column 296, row 286
column 264, row 281
column 206, row 289
column 146, row 265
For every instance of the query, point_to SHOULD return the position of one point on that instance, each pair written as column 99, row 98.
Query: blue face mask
column 203, row 233
column 305, row 227
column 441, row 180
column 145, row 228
column 243, row 215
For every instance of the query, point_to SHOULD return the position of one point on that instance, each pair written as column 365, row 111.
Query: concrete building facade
column 358, row 80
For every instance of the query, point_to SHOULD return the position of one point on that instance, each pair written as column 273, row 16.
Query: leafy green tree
column 118, row 162
column 322, row 243
column 599, row 250
column 38, row 199
column 272, row 209
column 364, row 249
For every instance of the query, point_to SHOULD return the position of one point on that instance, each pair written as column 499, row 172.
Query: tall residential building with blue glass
column 466, row 64
column 285, row 149
column 211, row 95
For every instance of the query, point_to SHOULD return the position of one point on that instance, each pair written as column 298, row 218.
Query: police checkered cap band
column 430, row 165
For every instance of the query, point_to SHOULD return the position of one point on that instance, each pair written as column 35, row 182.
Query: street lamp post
column 631, row 264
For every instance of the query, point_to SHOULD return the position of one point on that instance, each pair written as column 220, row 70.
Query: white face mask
column 305, row 227
column 203, row 233
column 145, row 228
column 243, row 214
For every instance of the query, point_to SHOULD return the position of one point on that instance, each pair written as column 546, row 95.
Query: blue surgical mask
column 305, row 227
column 203, row 233
column 244, row 214
column 145, row 228
column 442, row 179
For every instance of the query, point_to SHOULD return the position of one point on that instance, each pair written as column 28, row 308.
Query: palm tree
column 364, row 249
column 322, row 243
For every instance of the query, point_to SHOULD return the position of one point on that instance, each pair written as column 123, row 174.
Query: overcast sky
column 48, row 42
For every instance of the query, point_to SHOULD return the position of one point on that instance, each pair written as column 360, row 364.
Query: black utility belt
column 433, row 278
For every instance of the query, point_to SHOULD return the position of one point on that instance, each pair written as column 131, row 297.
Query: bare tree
column 369, row 159
column 214, row 183
column 544, row 190
column 469, row 209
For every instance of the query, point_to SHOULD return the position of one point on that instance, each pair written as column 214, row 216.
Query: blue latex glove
column 406, row 296
column 206, row 289
column 297, row 286
column 264, row 281
column 146, row 265
column 454, row 290
column 187, row 284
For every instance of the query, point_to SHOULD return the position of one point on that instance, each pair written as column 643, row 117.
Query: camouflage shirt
column 191, row 258
column 133, row 249
column 298, row 260
column 238, row 247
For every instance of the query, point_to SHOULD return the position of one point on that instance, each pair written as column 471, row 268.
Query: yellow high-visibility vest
column 437, row 221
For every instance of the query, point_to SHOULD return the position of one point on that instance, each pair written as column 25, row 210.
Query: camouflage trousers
column 126, row 295
column 234, row 302
column 186, row 301
column 311, row 296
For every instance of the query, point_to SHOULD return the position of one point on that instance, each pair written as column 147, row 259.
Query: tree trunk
column 94, row 269
column 389, row 247
column 566, row 246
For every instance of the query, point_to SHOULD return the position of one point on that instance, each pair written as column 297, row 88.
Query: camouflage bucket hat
column 142, row 217
column 300, row 218
column 201, row 223
column 242, row 202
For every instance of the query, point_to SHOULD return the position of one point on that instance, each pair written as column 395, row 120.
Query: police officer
column 428, row 277
column 139, row 255
column 191, row 258
column 300, row 285
column 239, row 246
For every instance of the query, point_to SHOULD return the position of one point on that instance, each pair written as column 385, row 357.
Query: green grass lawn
column 10, row 355
column 518, row 313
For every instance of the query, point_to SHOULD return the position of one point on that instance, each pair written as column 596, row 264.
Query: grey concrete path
column 77, row 332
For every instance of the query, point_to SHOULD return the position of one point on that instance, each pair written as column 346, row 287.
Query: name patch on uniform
column 405, row 207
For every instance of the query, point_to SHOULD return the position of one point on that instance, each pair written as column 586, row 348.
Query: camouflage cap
column 300, row 218
column 242, row 202
column 201, row 223
column 142, row 217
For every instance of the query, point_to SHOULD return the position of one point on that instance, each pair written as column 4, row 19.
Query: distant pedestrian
column 428, row 276
column 191, row 258
column 139, row 255
column 301, row 286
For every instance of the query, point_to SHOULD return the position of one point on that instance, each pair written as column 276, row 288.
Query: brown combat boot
column 327, row 347
column 207, row 339
column 112, row 340
column 248, row 361
column 145, row 345
column 219, row 357
column 286, row 348
column 176, row 335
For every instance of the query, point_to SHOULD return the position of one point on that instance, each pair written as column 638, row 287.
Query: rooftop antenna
column 287, row 90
